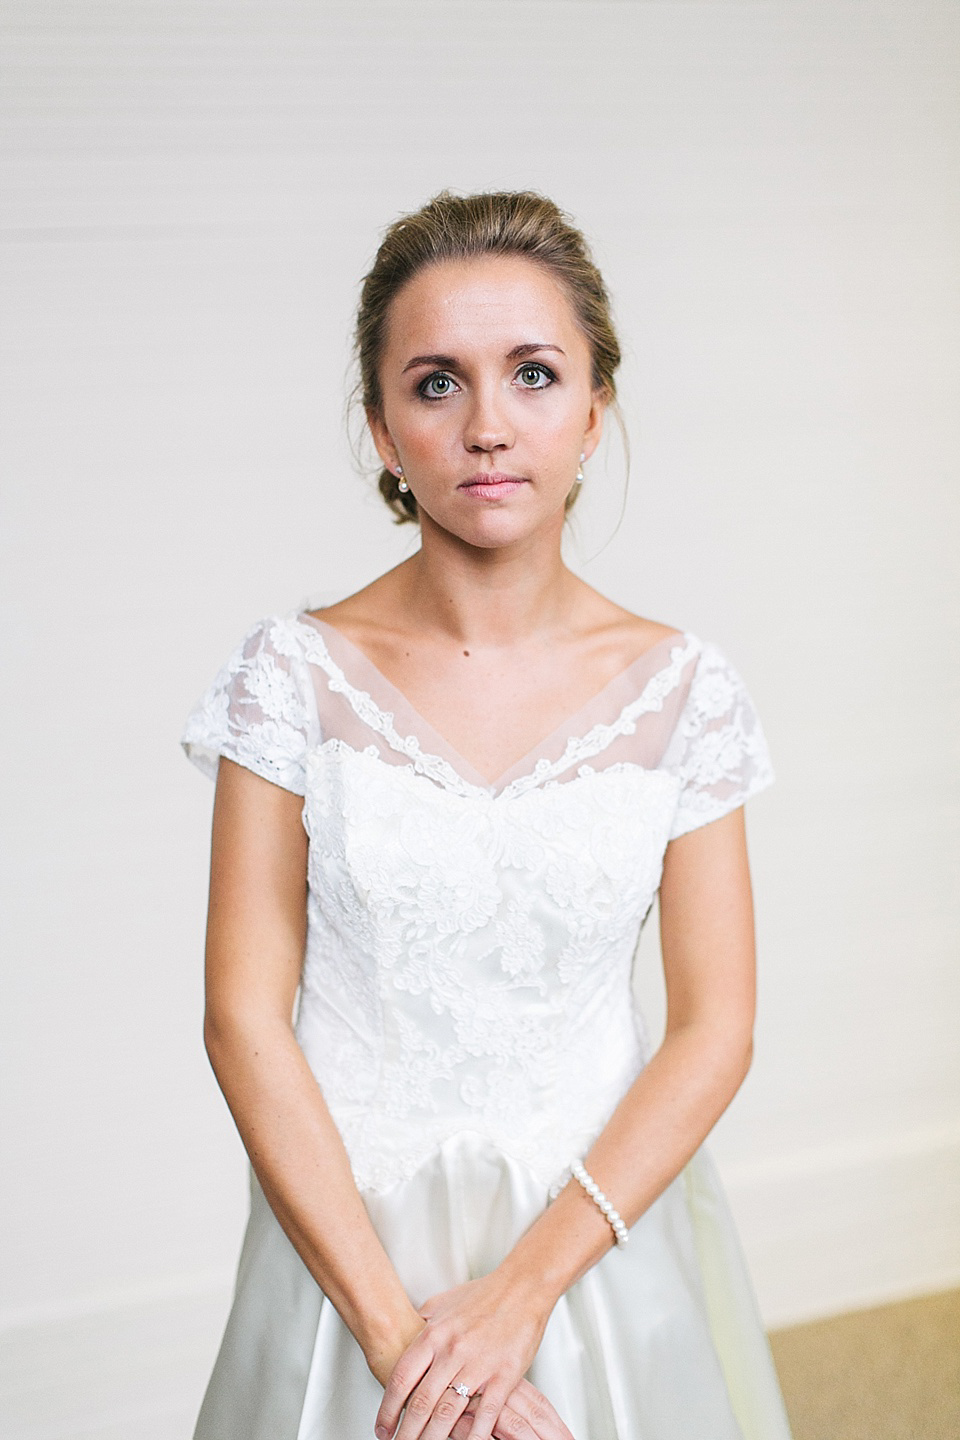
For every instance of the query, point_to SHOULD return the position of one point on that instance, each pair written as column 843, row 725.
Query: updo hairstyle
column 461, row 227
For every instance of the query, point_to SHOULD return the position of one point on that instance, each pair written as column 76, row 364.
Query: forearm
column 302, row 1165
column 489, row 1329
column 706, row 933
column 656, row 1128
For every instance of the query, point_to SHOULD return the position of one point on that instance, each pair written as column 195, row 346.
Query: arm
column 255, row 940
column 490, row 1331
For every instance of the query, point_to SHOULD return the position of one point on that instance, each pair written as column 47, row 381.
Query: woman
column 444, row 806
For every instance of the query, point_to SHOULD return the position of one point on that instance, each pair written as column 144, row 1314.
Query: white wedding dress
column 466, row 1007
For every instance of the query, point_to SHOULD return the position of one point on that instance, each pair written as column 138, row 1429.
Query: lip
column 492, row 485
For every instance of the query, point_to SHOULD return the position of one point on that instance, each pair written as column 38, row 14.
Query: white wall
column 191, row 196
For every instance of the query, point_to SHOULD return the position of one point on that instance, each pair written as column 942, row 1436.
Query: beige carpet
column 886, row 1374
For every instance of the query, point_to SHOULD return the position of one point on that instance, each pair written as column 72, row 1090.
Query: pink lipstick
column 493, row 485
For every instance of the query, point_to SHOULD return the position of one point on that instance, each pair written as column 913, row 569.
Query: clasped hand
column 481, row 1336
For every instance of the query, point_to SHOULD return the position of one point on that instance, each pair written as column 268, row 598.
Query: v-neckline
column 526, row 770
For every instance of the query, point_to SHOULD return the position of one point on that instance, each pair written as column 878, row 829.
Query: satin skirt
column 661, row 1340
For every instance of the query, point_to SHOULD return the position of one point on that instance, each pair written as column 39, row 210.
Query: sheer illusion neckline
column 444, row 763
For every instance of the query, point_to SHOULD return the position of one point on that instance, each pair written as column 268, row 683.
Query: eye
column 535, row 377
column 437, row 386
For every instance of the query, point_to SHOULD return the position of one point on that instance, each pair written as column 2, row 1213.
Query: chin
column 500, row 525
column 493, row 532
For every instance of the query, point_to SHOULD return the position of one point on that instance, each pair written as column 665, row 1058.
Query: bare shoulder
column 619, row 633
column 364, row 617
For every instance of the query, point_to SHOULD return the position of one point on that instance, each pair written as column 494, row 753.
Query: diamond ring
column 461, row 1389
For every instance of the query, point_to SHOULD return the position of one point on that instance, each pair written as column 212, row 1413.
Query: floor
column 886, row 1374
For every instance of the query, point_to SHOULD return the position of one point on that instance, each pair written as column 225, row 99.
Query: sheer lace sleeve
column 718, row 748
column 259, row 711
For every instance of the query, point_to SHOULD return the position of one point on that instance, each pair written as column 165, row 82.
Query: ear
column 595, row 418
column 383, row 440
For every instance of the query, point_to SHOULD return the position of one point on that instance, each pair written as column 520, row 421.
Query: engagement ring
column 461, row 1389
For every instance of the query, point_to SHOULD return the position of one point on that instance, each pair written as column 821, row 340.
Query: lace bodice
column 469, row 946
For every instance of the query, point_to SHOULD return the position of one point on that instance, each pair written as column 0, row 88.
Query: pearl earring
column 402, row 485
column 580, row 474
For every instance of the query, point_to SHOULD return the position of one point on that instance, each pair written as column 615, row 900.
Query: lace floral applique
column 580, row 748
column 259, row 710
column 468, row 960
column 381, row 721
column 718, row 750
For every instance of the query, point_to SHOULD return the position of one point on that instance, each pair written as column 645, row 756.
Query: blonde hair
column 461, row 227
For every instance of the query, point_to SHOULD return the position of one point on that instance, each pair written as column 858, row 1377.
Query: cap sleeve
column 718, row 748
column 259, row 711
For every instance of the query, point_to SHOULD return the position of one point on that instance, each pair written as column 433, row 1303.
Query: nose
column 487, row 424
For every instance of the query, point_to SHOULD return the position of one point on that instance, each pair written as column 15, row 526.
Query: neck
column 488, row 598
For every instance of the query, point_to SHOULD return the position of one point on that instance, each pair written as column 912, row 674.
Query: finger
column 488, row 1405
column 463, row 1426
column 431, row 1395
column 447, row 1411
column 539, row 1414
column 512, row 1426
column 408, row 1371
column 461, row 1431
column 537, row 1410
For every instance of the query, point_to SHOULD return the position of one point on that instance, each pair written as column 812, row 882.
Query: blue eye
column 436, row 386
column 535, row 377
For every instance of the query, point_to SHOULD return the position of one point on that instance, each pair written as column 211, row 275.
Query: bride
column 443, row 809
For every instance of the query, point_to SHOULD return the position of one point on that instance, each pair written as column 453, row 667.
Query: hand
column 527, row 1415
column 483, row 1335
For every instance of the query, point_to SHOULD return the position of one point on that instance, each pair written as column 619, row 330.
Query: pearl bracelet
column 613, row 1217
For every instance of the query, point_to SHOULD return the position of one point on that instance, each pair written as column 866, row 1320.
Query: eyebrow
column 449, row 362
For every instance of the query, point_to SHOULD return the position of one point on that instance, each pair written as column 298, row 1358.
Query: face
column 487, row 398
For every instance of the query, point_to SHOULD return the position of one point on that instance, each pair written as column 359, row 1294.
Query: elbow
column 732, row 1058
column 722, row 1052
column 736, row 1065
column 215, row 1039
column 211, row 1031
column 734, row 1035
column 725, row 1068
column 225, row 1034
column 237, row 1033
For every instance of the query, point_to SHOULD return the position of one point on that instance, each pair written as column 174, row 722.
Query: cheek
column 430, row 446
column 560, row 424
column 421, row 430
